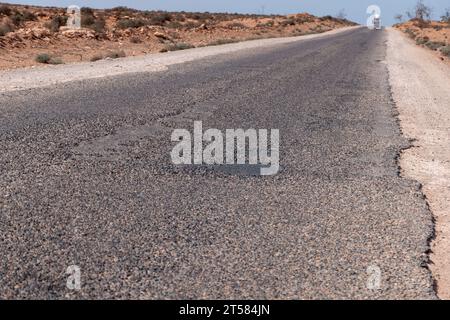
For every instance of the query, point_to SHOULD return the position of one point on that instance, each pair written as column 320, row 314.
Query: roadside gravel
column 421, row 89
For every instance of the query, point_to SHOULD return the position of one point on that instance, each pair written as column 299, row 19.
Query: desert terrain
column 34, row 35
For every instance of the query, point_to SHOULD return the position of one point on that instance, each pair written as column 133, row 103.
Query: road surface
column 86, row 180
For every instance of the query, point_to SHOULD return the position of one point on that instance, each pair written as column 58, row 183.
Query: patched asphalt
column 86, row 179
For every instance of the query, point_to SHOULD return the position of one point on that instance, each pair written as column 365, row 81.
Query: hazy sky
column 355, row 9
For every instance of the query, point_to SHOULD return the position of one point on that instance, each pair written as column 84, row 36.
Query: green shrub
column 122, row 11
column 179, row 17
column 200, row 16
column 131, row 23
column 446, row 51
column 56, row 23
column 411, row 33
column 87, row 11
column 121, row 8
column 5, row 10
column 28, row 16
column 19, row 17
column 48, row 59
column 218, row 42
column 179, row 46
column 328, row 17
column 434, row 45
column 87, row 20
column 159, row 19
column 94, row 23
column 99, row 25
column 43, row 58
column 16, row 18
column 421, row 41
column 267, row 24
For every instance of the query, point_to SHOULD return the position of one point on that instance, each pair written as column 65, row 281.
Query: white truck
column 377, row 22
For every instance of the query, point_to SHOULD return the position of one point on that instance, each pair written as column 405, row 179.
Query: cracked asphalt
column 86, row 179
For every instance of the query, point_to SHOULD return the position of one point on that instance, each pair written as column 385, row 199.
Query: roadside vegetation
column 90, row 20
column 179, row 46
column 446, row 51
column 426, row 32
column 12, row 18
column 46, row 58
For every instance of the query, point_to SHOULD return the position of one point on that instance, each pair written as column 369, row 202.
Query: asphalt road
column 86, row 179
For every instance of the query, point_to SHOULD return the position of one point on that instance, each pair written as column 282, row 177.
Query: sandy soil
column 421, row 90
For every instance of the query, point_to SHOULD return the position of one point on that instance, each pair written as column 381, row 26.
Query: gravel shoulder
column 420, row 85
column 28, row 78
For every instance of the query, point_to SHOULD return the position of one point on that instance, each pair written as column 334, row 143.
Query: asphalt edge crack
column 409, row 144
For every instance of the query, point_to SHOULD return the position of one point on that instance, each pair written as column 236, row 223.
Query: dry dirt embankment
column 421, row 89
column 27, row 31
column 434, row 35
